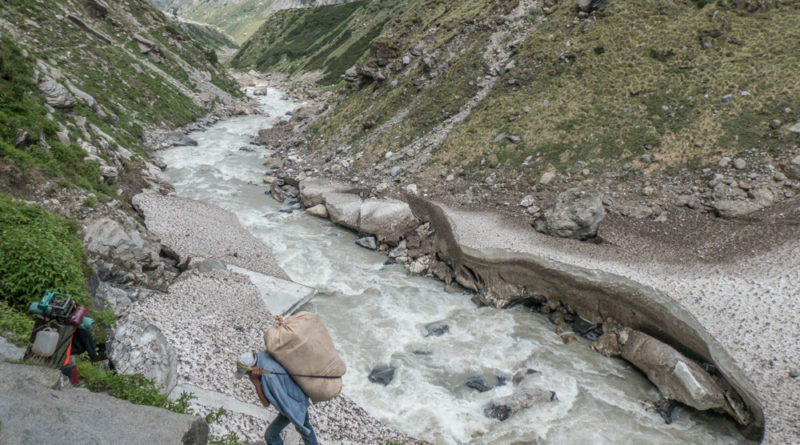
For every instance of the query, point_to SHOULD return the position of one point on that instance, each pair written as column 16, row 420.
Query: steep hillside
column 502, row 91
column 81, row 82
column 82, row 78
column 238, row 18
column 328, row 39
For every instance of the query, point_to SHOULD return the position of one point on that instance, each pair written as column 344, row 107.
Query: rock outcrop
column 505, row 407
column 576, row 214
column 34, row 409
column 139, row 347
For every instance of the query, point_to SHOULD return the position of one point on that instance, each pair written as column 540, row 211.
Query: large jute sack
column 303, row 346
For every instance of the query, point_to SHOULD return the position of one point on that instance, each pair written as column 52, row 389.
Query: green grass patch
column 134, row 388
column 15, row 325
column 39, row 252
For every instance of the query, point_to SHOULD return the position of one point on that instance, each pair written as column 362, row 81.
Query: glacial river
column 377, row 316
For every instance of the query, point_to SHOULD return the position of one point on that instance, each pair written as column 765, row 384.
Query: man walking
column 275, row 386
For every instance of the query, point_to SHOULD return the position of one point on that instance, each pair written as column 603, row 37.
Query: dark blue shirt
column 282, row 392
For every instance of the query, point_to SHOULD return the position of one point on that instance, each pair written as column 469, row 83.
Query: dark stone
column 388, row 262
column 436, row 329
column 587, row 330
column 418, row 352
column 665, row 408
column 368, row 242
column 383, row 374
column 478, row 383
column 286, row 210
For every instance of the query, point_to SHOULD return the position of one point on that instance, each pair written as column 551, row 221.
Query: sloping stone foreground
column 34, row 411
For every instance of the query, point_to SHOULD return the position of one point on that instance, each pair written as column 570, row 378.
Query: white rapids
column 377, row 315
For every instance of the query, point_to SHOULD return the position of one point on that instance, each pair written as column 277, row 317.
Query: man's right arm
column 259, row 390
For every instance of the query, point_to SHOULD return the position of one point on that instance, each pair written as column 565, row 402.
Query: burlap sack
column 303, row 346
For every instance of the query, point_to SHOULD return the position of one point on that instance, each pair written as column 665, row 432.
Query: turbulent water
column 377, row 316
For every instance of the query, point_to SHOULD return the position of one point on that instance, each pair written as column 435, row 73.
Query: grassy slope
column 326, row 38
column 130, row 99
column 641, row 75
column 460, row 29
column 238, row 20
column 208, row 37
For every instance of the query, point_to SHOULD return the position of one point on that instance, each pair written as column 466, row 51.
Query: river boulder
column 388, row 219
column 504, row 407
column 36, row 409
column 576, row 213
column 383, row 374
column 676, row 377
column 318, row 210
column 344, row 209
column 436, row 329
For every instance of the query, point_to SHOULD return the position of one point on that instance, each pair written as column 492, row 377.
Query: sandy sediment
column 749, row 307
column 209, row 318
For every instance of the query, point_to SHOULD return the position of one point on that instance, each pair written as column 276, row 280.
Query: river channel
column 377, row 316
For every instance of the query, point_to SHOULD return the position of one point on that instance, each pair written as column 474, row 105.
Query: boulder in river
column 383, row 374
column 576, row 213
column 676, row 377
column 436, row 329
column 344, row 209
column 503, row 407
column 587, row 330
column 388, row 219
column 318, row 210
column 178, row 139
column 478, row 383
column 367, row 242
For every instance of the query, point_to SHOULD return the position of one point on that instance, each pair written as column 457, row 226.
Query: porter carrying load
column 303, row 346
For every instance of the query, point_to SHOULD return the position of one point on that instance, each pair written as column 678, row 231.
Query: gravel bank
column 750, row 306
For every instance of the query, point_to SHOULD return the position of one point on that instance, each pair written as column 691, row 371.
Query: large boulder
column 676, row 377
column 139, row 347
column 503, row 407
column 388, row 219
column 313, row 191
column 55, row 94
column 34, row 409
column 110, row 240
column 576, row 213
column 344, row 209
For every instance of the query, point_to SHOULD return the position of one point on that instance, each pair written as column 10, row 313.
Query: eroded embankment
column 502, row 278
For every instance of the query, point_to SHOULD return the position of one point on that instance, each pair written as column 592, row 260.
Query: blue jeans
column 273, row 434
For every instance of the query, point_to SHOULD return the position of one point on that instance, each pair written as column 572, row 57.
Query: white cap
column 243, row 363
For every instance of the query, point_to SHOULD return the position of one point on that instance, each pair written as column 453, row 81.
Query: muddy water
column 377, row 316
